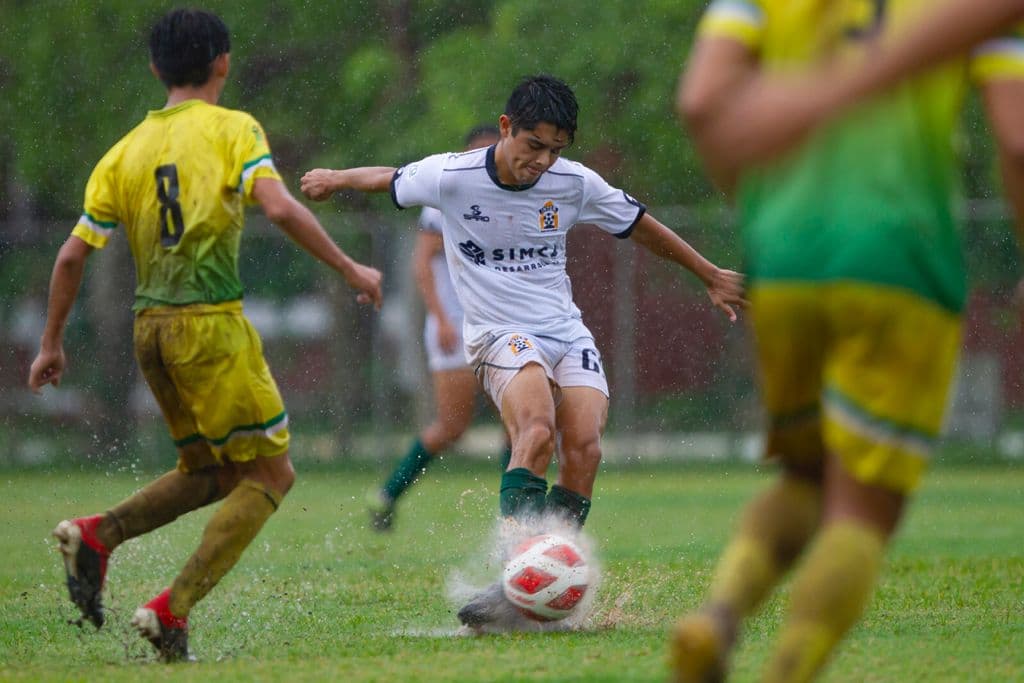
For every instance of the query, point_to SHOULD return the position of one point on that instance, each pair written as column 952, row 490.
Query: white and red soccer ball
column 546, row 577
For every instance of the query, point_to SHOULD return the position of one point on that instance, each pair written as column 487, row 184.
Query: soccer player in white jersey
column 453, row 380
column 507, row 210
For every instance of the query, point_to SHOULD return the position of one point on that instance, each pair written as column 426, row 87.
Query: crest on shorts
column 548, row 219
column 518, row 343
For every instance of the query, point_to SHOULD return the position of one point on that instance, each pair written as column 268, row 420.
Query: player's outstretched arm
column 68, row 269
column 320, row 183
column 303, row 227
column 948, row 30
column 740, row 116
column 725, row 287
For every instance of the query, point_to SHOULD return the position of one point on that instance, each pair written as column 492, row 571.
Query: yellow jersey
column 178, row 183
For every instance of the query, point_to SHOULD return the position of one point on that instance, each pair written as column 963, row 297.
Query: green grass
column 320, row 597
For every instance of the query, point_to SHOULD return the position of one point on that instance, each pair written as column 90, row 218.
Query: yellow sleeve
column 253, row 158
column 100, row 216
column 999, row 58
column 741, row 20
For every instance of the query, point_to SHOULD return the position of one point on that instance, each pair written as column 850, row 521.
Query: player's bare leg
column 455, row 401
column 528, row 410
column 838, row 575
column 258, row 486
column 580, row 418
column 773, row 530
column 86, row 543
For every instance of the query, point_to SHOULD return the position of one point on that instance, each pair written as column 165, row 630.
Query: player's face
column 522, row 158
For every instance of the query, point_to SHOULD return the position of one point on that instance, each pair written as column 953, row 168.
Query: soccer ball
column 546, row 577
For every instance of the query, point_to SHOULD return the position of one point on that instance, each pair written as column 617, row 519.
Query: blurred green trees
column 365, row 81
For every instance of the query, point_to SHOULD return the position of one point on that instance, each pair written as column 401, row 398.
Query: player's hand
column 47, row 368
column 447, row 336
column 367, row 281
column 318, row 184
column 726, row 292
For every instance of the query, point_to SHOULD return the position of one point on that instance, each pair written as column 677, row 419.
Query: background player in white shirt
column 455, row 386
column 507, row 210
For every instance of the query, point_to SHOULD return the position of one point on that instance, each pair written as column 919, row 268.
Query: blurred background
column 369, row 82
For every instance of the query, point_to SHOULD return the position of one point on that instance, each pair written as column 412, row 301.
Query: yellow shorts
column 205, row 366
column 859, row 370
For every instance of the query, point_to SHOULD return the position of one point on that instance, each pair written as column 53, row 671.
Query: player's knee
column 581, row 453
column 538, row 435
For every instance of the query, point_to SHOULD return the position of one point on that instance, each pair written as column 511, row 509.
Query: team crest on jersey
column 518, row 343
column 548, row 219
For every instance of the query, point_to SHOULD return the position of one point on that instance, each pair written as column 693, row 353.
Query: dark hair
column 543, row 99
column 184, row 43
column 484, row 130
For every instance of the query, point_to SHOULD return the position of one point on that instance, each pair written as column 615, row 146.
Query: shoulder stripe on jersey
column 629, row 231
column 467, row 168
column 739, row 10
column 251, row 167
column 255, row 161
column 88, row 217
column 102, row 228
column 569, row 175
column 1002, row 46
column 394, row 191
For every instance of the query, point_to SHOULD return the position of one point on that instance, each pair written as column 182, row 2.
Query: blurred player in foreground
column 453, row 380
column 507, row 210
column 178, row 184
column 856, row 278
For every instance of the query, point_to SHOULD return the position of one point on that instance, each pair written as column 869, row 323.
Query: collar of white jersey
column 492, row 170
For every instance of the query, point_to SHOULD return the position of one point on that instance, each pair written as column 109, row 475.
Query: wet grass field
column 319, row 596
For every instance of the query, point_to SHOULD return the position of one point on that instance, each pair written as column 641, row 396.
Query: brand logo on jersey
column 548, row 219
column 477, row 215
column 518, row 343
column 511, row 259
column 471, row 251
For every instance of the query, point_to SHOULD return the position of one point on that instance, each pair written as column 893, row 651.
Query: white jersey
column 505, row 244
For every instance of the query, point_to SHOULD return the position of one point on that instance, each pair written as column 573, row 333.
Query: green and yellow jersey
column 870, row 198
column 178, row 183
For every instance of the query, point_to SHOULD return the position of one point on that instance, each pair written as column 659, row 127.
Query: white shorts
column 567, row 364
column 439, row 360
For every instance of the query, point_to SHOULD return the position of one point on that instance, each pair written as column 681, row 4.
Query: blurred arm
column 65, row 282
column 740, row 116
column 944, row 33
column 320, row 183
column 302, row 226
column 428, row 245
column 725, row 287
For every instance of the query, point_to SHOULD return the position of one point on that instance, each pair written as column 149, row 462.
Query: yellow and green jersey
column 871, row 197
column 178, row 183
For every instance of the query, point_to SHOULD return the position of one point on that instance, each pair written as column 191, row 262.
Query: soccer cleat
column 85, row 563
column 167, row 633
column 489, row 611
column 382, row 510
column 697, row 650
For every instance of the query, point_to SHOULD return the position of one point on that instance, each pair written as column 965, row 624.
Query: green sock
column 409, row 469
column 522, row 493
column 568, row 504
column 506, row 458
